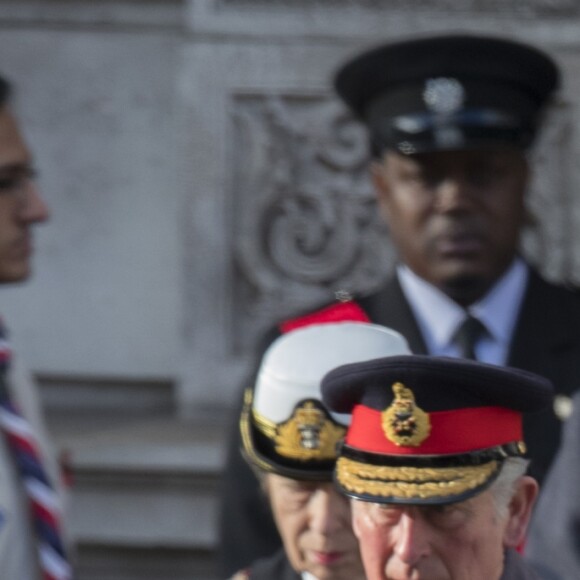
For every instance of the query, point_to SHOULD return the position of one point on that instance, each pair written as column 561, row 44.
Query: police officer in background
column 451, row 120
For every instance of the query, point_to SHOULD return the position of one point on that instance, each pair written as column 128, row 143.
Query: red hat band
column 449, row 432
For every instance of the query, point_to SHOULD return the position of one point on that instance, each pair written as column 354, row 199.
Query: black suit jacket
column 276, row 567
column 546, row 341
column 554, row 537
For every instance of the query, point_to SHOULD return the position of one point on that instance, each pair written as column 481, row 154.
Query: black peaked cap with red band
column 429, row 429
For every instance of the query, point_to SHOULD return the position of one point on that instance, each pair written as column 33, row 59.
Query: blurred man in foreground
column 31, row 547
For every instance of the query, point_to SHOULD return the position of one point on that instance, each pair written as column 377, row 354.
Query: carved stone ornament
column 305, row 220
column 551, row 200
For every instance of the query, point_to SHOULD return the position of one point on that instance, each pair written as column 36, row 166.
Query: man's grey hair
column 504, row 487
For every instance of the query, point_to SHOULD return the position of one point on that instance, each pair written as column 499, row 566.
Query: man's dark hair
column 5, row 91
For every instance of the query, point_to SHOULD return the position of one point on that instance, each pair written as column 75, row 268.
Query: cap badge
column 343, row 295
column 443, row 95
column 405, row 424
column 309, row 434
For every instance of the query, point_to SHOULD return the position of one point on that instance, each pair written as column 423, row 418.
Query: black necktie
column 467, row 335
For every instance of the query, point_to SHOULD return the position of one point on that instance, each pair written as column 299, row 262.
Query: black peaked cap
column 438, row 383
column 449, row 92
column 463, row 56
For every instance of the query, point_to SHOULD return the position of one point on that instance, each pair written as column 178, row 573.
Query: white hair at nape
column 504, row 487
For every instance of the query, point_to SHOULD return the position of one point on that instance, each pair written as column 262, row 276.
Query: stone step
column 129, row 563
column 144, row 496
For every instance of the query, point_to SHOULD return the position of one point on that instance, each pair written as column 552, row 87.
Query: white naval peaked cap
column 293, row 367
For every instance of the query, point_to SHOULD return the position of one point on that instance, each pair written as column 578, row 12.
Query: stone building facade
column 205, row 182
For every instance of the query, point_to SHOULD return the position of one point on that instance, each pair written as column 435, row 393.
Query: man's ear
column 355, row 515
column 264, row 480
column 520, row 511
column 378, row 177
column 530, row 219
column 382, row 186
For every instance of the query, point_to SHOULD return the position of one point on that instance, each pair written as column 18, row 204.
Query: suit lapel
column 390, row 308
column 544, row 328
column 547, row 324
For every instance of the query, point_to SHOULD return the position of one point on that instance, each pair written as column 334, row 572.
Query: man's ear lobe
column 382, row 188
column 520, row 511
column 378, row 179
column 355, row 518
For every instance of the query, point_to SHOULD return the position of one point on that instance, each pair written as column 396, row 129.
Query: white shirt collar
column 308, row 576
column 438, row 316
column 500, row 307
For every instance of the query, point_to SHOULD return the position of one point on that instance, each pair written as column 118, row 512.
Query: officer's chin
column 467, row 286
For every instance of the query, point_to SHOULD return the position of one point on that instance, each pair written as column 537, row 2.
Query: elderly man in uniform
column 291, row 440
column 451, row 120
column 30, row 544
column 434, row 462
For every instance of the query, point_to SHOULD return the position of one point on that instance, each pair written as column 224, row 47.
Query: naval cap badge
column 403, row 423
column 310, row 434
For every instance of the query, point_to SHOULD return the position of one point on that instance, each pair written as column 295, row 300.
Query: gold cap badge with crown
column 403, row 422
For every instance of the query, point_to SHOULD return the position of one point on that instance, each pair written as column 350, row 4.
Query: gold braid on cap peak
column 245, row 430
column 265, row 426
column 411, row 482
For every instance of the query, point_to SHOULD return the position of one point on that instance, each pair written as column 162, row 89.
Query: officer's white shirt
column 439, row 317
column 18, row 548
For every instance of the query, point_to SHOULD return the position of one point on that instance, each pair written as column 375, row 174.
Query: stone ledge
column 166, row 445
column 103, row 562
column 144, row 514
column 363, row 21
column 68, row 396
column 140, row 14
column 128, row 474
